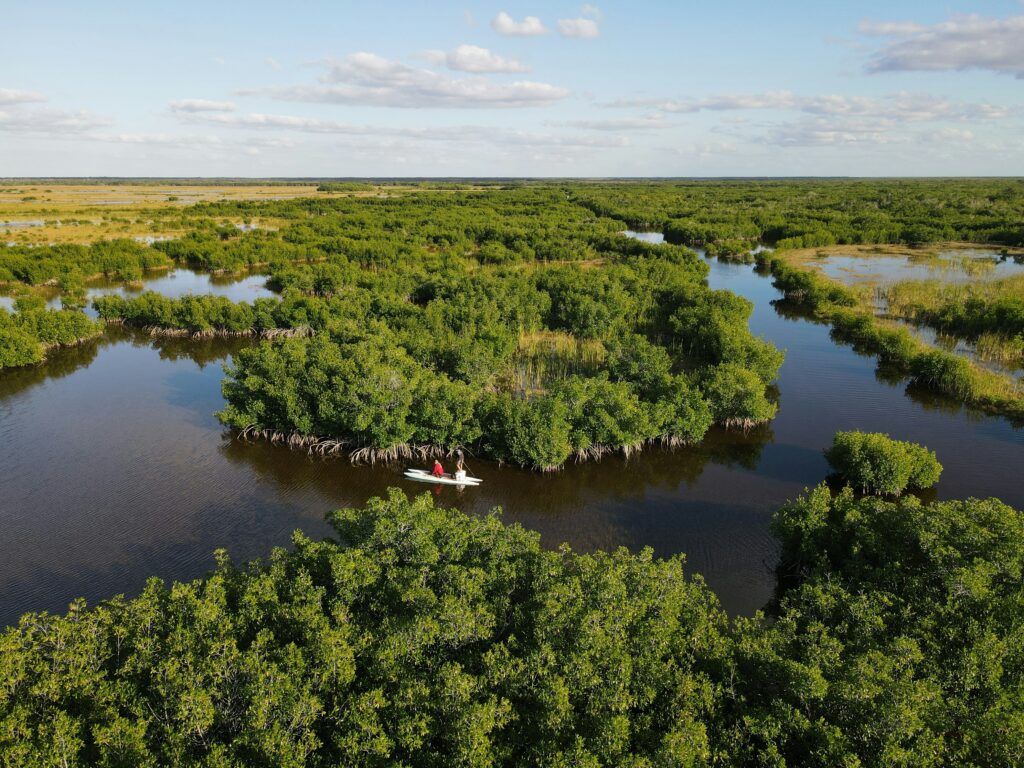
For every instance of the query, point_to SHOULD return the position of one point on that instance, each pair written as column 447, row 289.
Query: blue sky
column 511, row 88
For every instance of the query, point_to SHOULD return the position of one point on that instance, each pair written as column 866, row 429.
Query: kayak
column 422, row 476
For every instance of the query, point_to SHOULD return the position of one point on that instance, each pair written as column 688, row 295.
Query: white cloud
column 962, row 43
column 49, row 121
column 272, row 62
column 10, row 96
column 504, row 24
column 201, row 105
column 823, row 131
column 473, row 58
column 901, row 106
column 591, row 11
column 949, row 136
column 581, row 28
column 457, row 134
column 190, row 142
column 369, row 79
column 625, row 124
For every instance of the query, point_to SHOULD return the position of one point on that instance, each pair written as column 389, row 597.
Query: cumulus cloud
column 961, row 43
column 201, row 105
column 580, row 28
column 504, row 24
column 369, row 79
column 473, row 58
column 902, row 106
column 10, row 96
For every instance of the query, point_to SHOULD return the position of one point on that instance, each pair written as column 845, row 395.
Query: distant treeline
column 810, row 213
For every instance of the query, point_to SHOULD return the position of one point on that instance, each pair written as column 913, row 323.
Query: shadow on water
column 115, row 468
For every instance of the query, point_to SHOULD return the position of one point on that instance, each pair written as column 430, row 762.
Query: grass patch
column 854, row 323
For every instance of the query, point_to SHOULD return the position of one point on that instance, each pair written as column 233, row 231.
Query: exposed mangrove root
column 47, row 348
column 270, row 334
column 294, row 439
column 674, row 441
column 329, row 446
column 597, row 452
column 745, row 424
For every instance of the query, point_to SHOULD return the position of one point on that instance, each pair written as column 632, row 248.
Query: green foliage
column 875, row 463
column 31, row 330
column 123, row 260
column 943, row 372
column 422, row 637
column 802, row 213
column 900, row 642
column 603, row 413
column 18, row 346
column 531, row 433
column 711, row 327
column 737, row 396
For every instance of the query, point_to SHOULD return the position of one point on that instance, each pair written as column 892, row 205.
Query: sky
column 535, row 88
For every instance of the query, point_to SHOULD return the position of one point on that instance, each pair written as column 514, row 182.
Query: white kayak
column 422, row 476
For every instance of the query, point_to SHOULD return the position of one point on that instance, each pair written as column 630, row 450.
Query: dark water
column 114, row 468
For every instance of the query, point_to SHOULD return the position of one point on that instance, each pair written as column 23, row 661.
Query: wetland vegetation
column 516, row 320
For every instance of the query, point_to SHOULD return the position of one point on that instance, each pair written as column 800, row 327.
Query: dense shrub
column 422, row 636
column 943, row 372
column 32, row 329
column 874, row 463
column 899, row 643
column 531, row 433
column 736, row 396
column 122, row 259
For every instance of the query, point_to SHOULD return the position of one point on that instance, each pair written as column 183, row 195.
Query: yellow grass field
column 57, row 212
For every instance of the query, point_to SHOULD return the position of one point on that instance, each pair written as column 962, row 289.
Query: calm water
column 175, row 284
column 954, row 266
column 114, row 469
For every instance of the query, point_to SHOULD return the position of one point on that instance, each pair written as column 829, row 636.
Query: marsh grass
column 546, row 356
column 912, row 298
column 854, row 322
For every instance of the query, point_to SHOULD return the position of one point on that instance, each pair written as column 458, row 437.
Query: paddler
column 438, row 470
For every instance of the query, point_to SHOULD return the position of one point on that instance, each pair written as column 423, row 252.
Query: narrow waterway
column 114, row 469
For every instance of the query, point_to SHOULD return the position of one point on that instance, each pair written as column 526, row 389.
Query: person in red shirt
column 438, row 470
